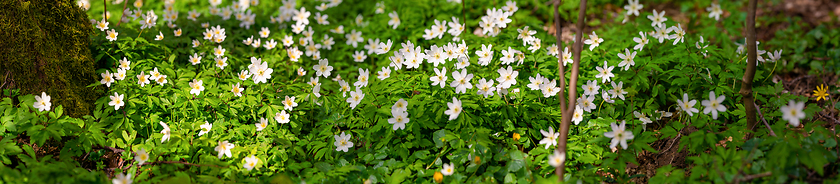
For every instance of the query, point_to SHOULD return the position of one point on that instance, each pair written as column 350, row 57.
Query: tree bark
column 46, row 47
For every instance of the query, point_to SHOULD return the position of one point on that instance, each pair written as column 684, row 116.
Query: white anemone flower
column 342, row 142
column 619, row 135
column 166, row 132
column 793, row 112
column 224, row 149
column 550, row 137
column 713, row 104
column 42, row 103
column 454, row 109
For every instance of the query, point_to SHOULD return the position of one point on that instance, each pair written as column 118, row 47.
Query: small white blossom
column 657, row 18
column 593, row 41
column 793, row 112
column 355, row 98
column 687, row 105
column 550, row 137
column 342, row 142
column 224, row 149
column 619, row 135
column 116, row 101
column 250, row 162
column 605, row 73
column 462, row 81
column 557, row 159
column 627, row 59
column 454, row 109
column 633, row 7
column 485, row 87
column 141, row 156
column 715, row 11
column 42, row 103
column 713, row 104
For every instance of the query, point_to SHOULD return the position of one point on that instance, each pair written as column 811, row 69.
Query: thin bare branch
column 123, row 13
column 181, row 162
column 560, row 67
column 758, row 109
column 746, row 83
column 751, row 177
column 568, row 109
column 561, row 72
column 115, row 150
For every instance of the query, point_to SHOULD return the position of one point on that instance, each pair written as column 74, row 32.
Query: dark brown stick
column 123, row 13
column 568, row 109
column 751, row 177
column 115, row 150
column 561, row 69
column 746, row 83
column 758, row 109
column 561, row 72
column 180, row 162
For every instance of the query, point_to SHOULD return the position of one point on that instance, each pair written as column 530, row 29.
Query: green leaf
column 830, row 143
column 515, row 165
column 59, row 111
column 815, row 160
column 438, row 136
column 399, row 176
column 668, row 132
column 323, row 167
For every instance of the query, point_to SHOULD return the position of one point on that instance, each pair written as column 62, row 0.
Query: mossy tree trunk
column 44, row 47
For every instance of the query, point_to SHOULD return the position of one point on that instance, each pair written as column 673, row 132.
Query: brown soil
column 668, row 153
column 811, row 12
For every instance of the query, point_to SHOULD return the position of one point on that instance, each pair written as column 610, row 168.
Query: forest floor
column 813, row 13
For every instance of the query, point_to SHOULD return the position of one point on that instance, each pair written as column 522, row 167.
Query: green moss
column 45, row 48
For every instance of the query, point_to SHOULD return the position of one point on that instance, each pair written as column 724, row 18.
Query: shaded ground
column 811, row 12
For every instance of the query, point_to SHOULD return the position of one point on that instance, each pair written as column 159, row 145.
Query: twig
column 181, row 162
column 464, row 14
column 123, row 13
column 758, row 109
column 105, row 11
column 751, row 177
column 829, row 117
column 800, row 78
column 561, row 71
column 747, row 81
column 115, row 150
column 568, row 109
column 5, row 79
